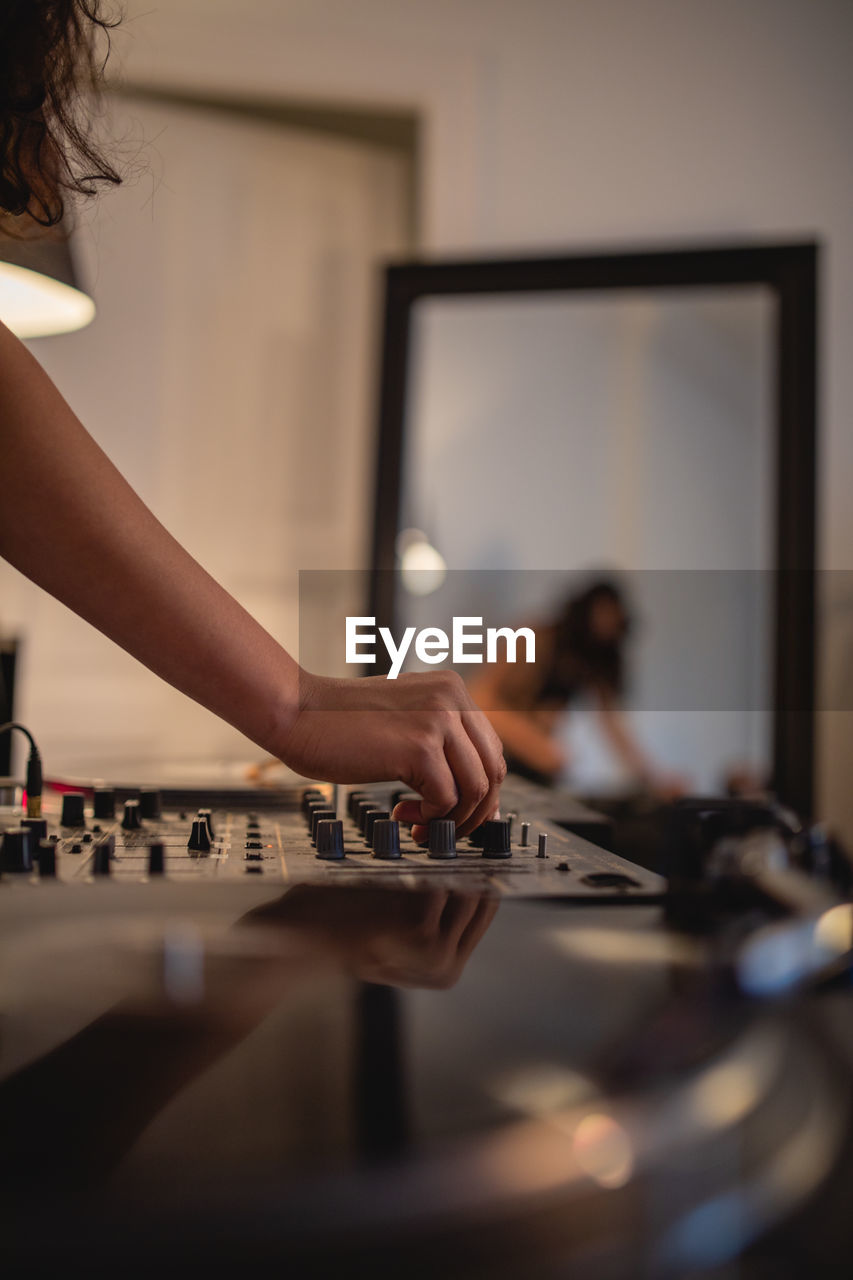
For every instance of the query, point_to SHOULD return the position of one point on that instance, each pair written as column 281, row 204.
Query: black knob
column 199, row 841
column 150, row 803
column 156, row 859
column 101, row 858
column 330, row 839
column 365, row 807
column 132, row 819
column 315, row 806
column 15, row 851
column 477, row 836
column 386, row 838
column 442, row 838
column 46, row 855
column 37, row 828
column 105, row 802
column 496, row 838
column 370, row 819
column 73, row 812
column 353, row 801
column 309, row 794
column 320, row 815
column 207, row 814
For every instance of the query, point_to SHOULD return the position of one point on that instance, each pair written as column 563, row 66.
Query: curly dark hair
column 50, row 51
column 589, row 659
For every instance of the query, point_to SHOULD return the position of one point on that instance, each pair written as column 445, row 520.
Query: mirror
column 647, row 419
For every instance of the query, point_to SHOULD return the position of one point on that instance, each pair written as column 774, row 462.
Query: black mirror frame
column 790, row 271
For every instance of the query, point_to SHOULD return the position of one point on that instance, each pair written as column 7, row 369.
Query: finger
column 483, row 916
column 433, row 778
column 408, row 812
column 472, row 784
column 456, row 916
column 484, row 737
column 431, row 908
column 488, row 746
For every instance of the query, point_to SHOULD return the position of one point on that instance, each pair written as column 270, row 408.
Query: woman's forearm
column 71, row 523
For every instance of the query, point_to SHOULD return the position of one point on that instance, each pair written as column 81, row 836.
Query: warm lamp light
column 39, row 291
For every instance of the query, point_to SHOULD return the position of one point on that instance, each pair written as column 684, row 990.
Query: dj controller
column 247, row 1028
column 313, row 834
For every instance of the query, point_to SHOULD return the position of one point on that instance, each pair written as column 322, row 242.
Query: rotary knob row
column 21, row 850
column 147, row 807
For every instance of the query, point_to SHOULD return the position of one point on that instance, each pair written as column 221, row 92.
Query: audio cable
column 33, row 780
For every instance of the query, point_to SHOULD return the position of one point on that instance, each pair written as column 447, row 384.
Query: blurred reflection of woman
column 579, row 655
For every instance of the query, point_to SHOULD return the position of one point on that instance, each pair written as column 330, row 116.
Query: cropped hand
column 424, row 730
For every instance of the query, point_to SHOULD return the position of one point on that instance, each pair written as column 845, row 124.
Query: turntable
column 422, row 1065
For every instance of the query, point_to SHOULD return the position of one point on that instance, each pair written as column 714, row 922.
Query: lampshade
column 39, row 291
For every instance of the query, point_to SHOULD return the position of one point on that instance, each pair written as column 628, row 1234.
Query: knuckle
column 451, row 686
column 421, row 754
